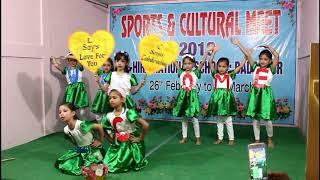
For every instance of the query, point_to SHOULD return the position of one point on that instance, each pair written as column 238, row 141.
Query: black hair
column 191, row 58
column 223, row 59
column 126, row 57
column 116, row 91
column 111, row 63
column 267, row 53
column 186, row 56
column 71, row 107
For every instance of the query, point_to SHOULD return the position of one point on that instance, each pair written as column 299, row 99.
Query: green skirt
column 261, row 104
column 222, row 103
column 187, row 104
column 72, row 161
column 101, row 103
column 125, row 156
column 77, row 95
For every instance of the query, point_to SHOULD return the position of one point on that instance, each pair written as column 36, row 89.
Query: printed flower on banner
column 288, row 5
column 240, row 108
column 156, row 105
column 141, row 105
column 116, row 12
column 283, row 108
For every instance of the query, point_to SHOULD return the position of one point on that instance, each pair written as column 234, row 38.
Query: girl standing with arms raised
column 222, row 103
column 261, row 104
column 187, row 103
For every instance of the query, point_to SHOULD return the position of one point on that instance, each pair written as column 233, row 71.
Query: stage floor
column 169, row 160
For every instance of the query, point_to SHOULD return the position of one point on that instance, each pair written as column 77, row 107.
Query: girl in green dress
column 261, row 103
column 100, row 104
column 222, row 103
column 122, row 79
column 88, row 150
column 75, row 92
column 187, row 103
column 127, row 149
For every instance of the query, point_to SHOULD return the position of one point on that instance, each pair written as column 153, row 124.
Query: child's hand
column 96, row 77
column 216, row 47
column 234, row 41
column 95, row 144
column 210, row 48
column 134, row 139
column 142, row 82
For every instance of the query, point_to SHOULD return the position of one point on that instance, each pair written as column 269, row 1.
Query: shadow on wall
column 31, row 90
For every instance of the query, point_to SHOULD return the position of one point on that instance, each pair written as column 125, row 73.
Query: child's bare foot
column 270, row 143
column 198, row 141
column 231, row 142
column 217, row 141
column 183, row 141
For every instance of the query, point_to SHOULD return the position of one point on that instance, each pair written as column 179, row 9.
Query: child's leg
column 196, row 129
column 184, row 131
column 269, row 132
column 220, row 129
column 256, row 129
column 230, row 129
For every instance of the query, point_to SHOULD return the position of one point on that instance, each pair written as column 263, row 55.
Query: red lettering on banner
column 203, row 16
column 182, row 29
column 220, row 22
column 262, row 22
column 140, row 24
column 171, row 25
column 210, row 23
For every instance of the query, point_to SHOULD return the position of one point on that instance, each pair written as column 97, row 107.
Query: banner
column 194, row 26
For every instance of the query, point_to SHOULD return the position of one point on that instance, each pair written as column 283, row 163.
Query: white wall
column 308, row 31
column 32, row 31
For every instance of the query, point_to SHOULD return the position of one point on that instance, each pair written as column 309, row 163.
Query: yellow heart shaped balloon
column 91, row 51
column 156, row 54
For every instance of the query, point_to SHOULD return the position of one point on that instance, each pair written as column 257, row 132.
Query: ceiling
column 113, row 2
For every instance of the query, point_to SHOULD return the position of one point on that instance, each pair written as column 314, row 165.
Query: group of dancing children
column 119, row 123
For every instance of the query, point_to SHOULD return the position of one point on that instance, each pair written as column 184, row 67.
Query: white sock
column 184, row 128
column 256, row 129
column 229, row 128
column 220, row 127
column 196, row 127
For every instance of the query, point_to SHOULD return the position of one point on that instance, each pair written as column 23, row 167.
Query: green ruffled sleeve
column 197, row 72
column 232, row 74
column 132, row 115
column 107, row 79
column 64, row 70
column 105, row 123
column 180, row 71
column 133, row 80
column 86, row 126
column 254, row 66
column 273, row 70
